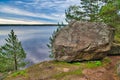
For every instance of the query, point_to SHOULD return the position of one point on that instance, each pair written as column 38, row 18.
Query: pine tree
column 87, row 11
column 90, row 9
column 73, row 13
column 12, row 52
column 109, row 12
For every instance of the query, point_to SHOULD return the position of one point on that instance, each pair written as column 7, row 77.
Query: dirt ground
column 103, row 73
column 51, row 70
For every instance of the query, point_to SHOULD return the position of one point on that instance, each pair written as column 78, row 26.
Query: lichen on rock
column 83, row 41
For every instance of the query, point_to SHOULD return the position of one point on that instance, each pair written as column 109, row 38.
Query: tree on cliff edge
column 12, row 52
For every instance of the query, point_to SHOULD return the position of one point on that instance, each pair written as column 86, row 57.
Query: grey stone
column 83, row 41
column 115, row 49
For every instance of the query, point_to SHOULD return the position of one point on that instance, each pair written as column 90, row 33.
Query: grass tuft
column 93, row 64
column 19, row 73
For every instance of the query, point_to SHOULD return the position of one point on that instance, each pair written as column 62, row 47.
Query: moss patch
column 19, row 73
column 93, row 64
column 64, row 74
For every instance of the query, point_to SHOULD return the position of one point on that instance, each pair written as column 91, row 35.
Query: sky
column 34, row 11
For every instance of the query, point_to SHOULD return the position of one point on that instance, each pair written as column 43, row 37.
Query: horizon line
column 33, row 24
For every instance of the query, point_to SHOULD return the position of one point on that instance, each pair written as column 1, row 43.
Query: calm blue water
column 33, row 38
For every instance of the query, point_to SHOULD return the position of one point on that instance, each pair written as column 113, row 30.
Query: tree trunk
column 15, row 63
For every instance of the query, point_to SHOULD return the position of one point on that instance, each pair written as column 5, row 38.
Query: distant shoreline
column 31, row 25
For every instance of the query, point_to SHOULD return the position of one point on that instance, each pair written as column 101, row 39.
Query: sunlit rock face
column 83, row 41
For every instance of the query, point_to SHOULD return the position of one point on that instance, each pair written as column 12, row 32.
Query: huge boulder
column 82, row 41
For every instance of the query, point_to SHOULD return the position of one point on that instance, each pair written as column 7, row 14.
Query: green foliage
column 93, row 64
column 93, row 11
column 12, row 54
column 109, row 14
column 19, row 73
column 117, row 33
column 58, row 63
column 72, row 13
column 87, row 11
column 98, row 63
column 117, row 38
column 76, row 63
column 5, row 65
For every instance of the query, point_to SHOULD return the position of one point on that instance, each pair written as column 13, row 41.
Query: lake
column 33, row 38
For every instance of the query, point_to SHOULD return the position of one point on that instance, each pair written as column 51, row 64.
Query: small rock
column 65, row 69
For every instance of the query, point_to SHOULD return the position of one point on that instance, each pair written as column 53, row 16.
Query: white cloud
column 17, row 21
column 17, row 11
column 57, row 3
column 52, row 4
column 58, row 6
column 19, row 2
column 38, row 6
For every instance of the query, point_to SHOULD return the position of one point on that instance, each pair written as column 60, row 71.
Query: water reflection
column 33, row 38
